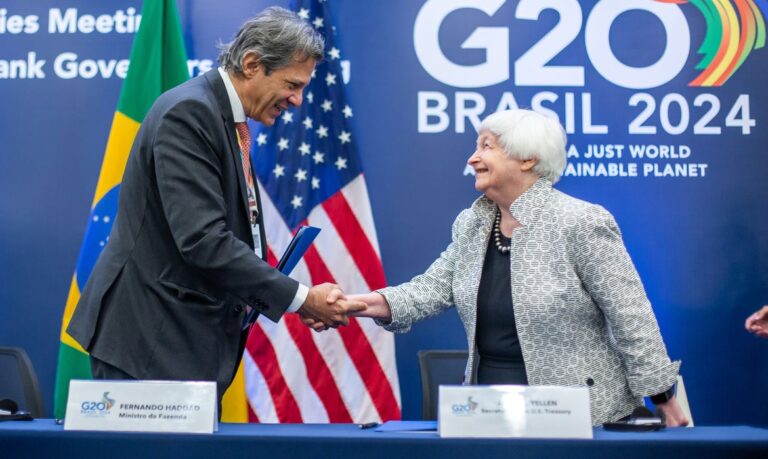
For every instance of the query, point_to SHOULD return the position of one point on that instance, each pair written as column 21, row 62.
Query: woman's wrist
column 664, row 397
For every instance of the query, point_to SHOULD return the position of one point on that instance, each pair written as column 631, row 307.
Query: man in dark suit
column 184, row 267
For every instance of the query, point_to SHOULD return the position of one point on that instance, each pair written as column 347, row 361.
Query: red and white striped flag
column 309, row 172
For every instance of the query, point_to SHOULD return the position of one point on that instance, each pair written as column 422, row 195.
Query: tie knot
column 243, row 132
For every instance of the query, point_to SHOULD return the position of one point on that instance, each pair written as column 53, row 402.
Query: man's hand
column 757, row 323
column 327, row 307
column 673, row 414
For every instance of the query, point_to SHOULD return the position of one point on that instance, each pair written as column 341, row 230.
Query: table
column 43, row 438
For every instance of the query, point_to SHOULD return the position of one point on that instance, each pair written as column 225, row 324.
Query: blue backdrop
column 673, row 146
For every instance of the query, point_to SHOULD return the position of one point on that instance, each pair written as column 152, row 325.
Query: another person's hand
column 327, row 307
column 673, row 414
column 757, row 323
column 378, row 308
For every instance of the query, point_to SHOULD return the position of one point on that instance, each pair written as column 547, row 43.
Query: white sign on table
column 514, row 411
column 142, row 406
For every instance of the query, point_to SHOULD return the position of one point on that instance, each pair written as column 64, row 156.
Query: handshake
column 327, row 307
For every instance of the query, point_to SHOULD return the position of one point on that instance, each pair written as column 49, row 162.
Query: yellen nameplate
column 514, row 411
column 142, row 406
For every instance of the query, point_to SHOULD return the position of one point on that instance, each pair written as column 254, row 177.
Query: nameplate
column 142, row 406
column 514, row 411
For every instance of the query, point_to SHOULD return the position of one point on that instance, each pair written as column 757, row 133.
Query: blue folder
column 298, row 246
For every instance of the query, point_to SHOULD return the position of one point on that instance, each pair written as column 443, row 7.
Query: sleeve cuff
column 299, row 299
column 397, row 323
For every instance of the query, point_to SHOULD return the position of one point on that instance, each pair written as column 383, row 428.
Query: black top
column 496, row 333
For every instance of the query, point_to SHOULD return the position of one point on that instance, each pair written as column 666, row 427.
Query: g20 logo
column 730, row 37
column 464, row 409
column 97, row 407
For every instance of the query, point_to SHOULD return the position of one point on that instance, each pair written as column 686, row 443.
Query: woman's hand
column 673, row 414
column 757, row 323
column 378, row 308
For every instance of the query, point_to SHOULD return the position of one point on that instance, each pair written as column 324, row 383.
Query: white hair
column 525, row 134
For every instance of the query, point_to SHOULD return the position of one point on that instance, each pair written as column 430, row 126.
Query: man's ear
column 251, row 65
column 529, row 164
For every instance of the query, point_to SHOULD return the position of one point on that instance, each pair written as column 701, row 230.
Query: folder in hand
column 298, row 246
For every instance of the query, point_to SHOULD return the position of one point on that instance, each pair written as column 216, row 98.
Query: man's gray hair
column 276, row 36
column 525, row 134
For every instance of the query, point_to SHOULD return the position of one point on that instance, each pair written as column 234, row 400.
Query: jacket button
column 590, row 382
column 238, row 308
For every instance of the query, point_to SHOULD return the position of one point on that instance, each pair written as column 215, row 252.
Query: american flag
column 309, row 172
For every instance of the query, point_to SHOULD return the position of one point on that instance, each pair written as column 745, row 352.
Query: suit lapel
column 484, row 211
column 220, row 93
column 234, row 148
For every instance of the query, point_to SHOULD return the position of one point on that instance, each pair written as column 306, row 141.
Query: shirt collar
column 238, row 114
column 525, row 208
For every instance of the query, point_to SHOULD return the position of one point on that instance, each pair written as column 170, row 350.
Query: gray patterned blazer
column 582, row 315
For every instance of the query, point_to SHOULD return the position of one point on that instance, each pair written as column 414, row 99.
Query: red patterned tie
column 244, row 140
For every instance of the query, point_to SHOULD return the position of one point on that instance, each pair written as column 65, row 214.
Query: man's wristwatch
column 663, row 397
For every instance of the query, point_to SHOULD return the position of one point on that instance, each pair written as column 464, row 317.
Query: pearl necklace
column 504, row 249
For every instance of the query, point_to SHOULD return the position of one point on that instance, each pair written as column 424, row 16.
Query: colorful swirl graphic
column 732, row 34
column 108, row 402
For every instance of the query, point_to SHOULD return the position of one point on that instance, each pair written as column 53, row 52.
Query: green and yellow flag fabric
column 158, row 62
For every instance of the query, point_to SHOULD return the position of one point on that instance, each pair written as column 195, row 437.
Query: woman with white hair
column 543, row 284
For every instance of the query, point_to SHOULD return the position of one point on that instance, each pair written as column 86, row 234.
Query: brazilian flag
column 158, row 63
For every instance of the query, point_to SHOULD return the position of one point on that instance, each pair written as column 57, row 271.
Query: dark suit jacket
column 166, row 300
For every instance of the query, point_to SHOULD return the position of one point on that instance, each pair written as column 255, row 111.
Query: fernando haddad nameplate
column 142, row 406
column 514, row 411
